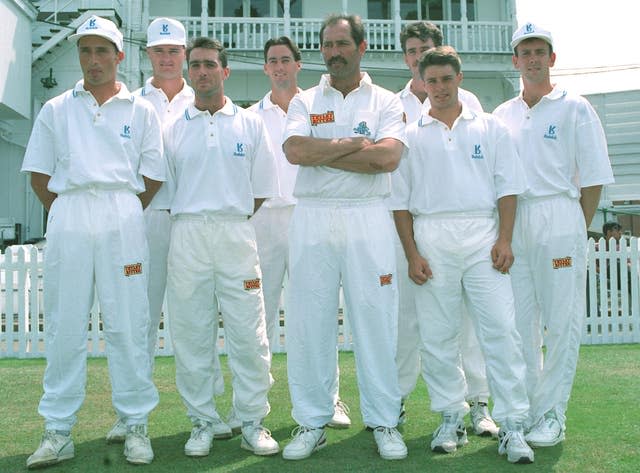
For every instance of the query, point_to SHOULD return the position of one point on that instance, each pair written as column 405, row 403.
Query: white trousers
column 96, row 239
column 549, row 285
column 272, row 229
column 408, row 354
column 158, row 229
column 458, row 250
column 350, row 242
column 210, row 257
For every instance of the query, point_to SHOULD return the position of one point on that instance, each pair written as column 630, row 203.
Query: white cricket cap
column 166, row 31
column 98, row 26
column 529, row 30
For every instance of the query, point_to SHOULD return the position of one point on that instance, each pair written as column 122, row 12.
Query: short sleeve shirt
column 220, row 162
column 323, row 112
column 81, row 144
column 561, row 143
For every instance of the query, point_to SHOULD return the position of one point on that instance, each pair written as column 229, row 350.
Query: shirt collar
column 404, row 93
column 123, row 94
column 556, row 93
column 266, row 103
column 325, row 82
column 465, row 114
column 150, row 89
column 229, row 108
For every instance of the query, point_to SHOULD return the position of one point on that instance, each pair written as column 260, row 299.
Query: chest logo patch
column 250, row 284
column 565, row 262
column 126, row 131
column 362, row 129
column 321, row 118
column 239, row 152
column 132, row 269
column 552, row 132
column 477, row 152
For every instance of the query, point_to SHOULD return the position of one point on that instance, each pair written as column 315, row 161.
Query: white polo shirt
column 323, row 112
column 220, row 162
column 167, row 111
column 81, row 144
column 414, row 108
column 561, row 143
column 276, row 119
column 462, row 170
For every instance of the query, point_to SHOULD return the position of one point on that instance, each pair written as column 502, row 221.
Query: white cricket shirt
column 219, row 162
column 81, row 144
column 323, row 112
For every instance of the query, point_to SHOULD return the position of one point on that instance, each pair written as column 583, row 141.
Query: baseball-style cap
column 166, row 31
column 99, row 26
column 529, row 30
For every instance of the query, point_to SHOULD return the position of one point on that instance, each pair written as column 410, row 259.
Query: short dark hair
column 355, row 23
column 208, row 43
column 283, row 41
column 440, row 56
column 610, row 226
column 423, row 30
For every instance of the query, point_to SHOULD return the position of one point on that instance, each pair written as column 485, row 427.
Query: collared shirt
column 167, row 111
column 81, row 144
column 414, row 108
column 323, row 112
column 220, row 162
column 464, row 169
column 561, row 143
column 276, row 119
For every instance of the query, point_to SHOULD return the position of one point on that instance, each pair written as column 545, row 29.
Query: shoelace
column 199, row 431
column 393, row 434
column 299, row 431
column 342, row 406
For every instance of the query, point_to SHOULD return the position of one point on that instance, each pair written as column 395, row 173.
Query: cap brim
column 169, row 42
column 516, row 42
column 76, row 36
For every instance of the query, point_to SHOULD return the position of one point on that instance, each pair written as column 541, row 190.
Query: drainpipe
column 397, row 25
column 345, row 6
column 204, row 16
column 465, row 25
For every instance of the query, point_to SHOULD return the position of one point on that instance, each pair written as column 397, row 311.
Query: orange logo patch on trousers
column 132, row 269
column 251, row 284
column 386, row 279
column 565, row 262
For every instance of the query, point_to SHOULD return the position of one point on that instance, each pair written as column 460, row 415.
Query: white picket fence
column 613, row 309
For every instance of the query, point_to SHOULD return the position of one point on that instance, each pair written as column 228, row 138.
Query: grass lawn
column 603, row 432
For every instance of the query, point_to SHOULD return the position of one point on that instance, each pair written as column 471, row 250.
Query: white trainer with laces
column 200, row 441
column 54, row 448
column 340, row 419
column 390, row 443
column 234, row 422
column 258, row 440
column 511, row 441
column 137, row 446
column 547, row 432
column 483, row 424
column 451, row 434
column 118, row 432
column 305, row 441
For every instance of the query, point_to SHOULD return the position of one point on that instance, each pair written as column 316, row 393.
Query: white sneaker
column 450, row 435
column 512, row 442
column 234, row 422
column 199, row 444
column 258, row 440
column 390, row 443
column 305, row 441
column 54, row 448
column 118, row 432
column 137, row 446
column 481, row 420
column 340, row 419
column 547, row 432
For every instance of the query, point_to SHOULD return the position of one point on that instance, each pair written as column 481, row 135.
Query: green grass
column 603, row 426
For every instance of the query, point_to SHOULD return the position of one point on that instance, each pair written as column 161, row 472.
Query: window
column 196, row 7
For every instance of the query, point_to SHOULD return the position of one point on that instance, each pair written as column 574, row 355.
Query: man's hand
column 419, row 270
column 502, row 256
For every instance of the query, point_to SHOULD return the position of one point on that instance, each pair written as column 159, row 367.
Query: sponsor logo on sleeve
column 565, row 262
column 250, row 284
column 132, row 269
column 322, row 118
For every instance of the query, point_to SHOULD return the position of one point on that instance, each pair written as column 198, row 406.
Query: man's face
column 340, row 52
column 533, row 60
column 415, row 47
column 99, row 60
column 166, row 61
column 206, row 73
column 441, row 85
column 281, row 67
column 614, row 233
